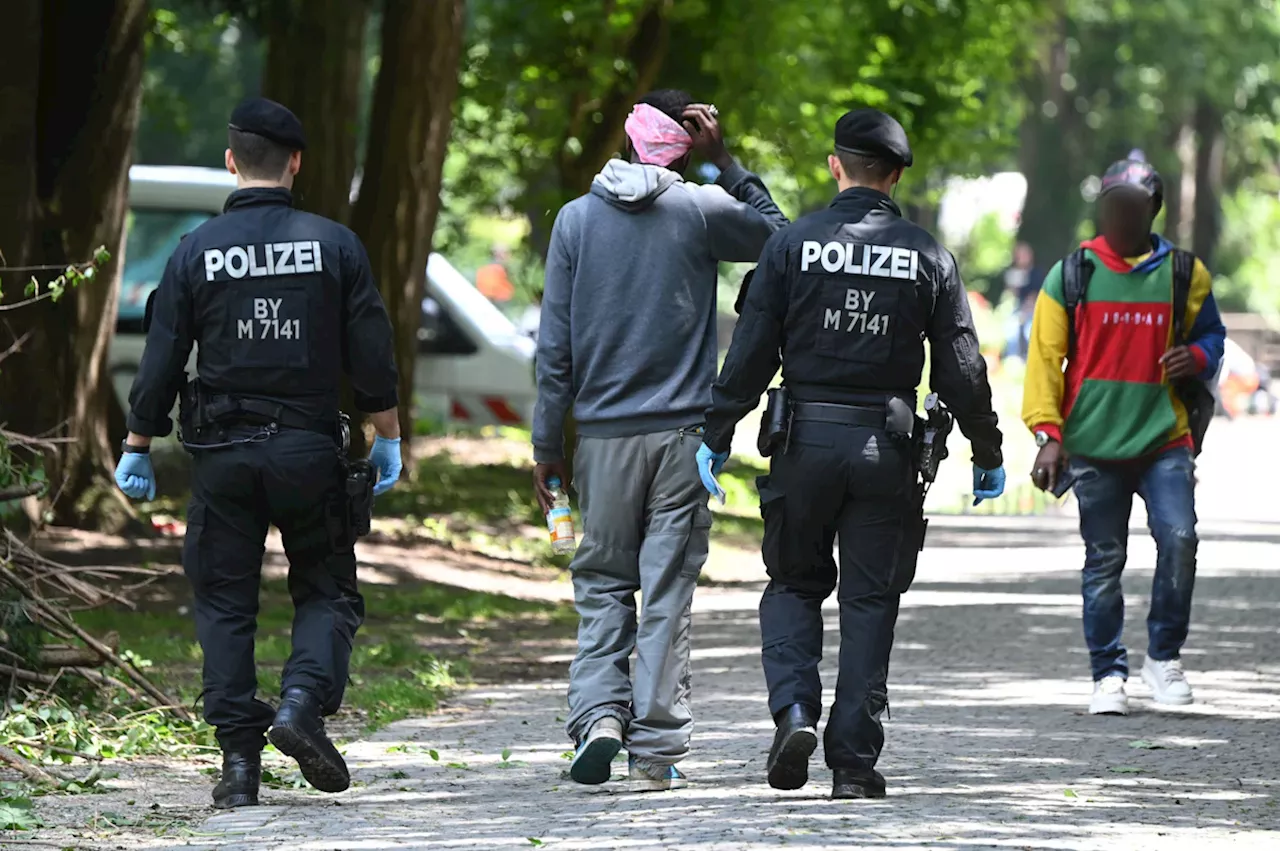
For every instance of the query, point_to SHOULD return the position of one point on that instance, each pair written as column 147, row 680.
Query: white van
column 474, row 367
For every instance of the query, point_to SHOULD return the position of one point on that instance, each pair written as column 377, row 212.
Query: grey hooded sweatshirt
column 628, row 327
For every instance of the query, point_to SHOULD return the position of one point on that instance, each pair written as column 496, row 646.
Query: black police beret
column 870, row 132
column 269, row 119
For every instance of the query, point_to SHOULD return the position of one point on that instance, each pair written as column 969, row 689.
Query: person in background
column 1020, row 278
column 1118, row 424
column 492, row 280
column 628, row 340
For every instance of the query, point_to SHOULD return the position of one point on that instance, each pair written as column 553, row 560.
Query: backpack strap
column 1077, row 269
column 1184, row 267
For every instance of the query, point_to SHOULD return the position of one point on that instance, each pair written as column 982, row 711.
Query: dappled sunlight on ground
column 989, row 744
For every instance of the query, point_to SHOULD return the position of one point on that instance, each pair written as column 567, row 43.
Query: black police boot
column 857, row 783
column 238, row 787
column 298, row 731
column 793, row 744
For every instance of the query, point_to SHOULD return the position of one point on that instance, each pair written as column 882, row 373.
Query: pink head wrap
column 656, row 136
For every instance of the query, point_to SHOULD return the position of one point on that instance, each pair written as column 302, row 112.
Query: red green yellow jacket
column 1114, row 401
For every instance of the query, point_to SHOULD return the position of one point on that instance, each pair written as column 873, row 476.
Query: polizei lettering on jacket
column 261, row 261
column 873, row 261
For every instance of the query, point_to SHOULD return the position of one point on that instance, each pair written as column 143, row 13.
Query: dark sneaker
column 793, row 744
column 648, row 776
column 857, row 783
column 593, row 762
column 238, row 787
column 298, row 731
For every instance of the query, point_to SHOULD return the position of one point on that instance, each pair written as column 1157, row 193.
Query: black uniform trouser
column 850, row 482
column 288, row 480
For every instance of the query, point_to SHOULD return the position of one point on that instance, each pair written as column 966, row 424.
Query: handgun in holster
column 361, row 477
column 930, row 450
column 194, row 419
column 935, row 429
column 350, row 511
column 775, row 425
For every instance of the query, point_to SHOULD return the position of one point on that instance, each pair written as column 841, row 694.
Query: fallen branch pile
column 40, row 642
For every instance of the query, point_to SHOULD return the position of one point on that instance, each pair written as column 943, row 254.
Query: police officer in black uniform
column 281, row 303
column 843, row 300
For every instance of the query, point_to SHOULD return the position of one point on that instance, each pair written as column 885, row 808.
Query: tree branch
column 29, row 770
column 20, row 491
column 105, row 652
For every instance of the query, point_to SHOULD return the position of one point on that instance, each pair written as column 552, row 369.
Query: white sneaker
column 1109, row 697
column 1167, row 681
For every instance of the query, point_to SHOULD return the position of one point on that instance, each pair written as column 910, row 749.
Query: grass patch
column 490, row 508
column 738, row 523
column 484, row 508
column 393, row 674
column 483, row 493
column 410, row 653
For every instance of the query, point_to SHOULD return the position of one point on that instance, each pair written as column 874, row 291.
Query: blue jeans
column 1105, row 492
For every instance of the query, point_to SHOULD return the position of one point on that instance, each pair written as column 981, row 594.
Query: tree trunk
column 1210, row 143
column 644, row 52
column 87, row 87
column 1180, row 194
column 1049, row 158
column 1173, row 169
column 19, row 94
column 399, row 199
column 314, row 65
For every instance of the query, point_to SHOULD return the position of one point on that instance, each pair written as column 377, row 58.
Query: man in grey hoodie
column 628, row 339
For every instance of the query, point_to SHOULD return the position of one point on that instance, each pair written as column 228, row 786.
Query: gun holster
column 361, row 477
column 350, row 512
column 195, row 422
column 914, row 528
column 775, row 425
column 929, row 449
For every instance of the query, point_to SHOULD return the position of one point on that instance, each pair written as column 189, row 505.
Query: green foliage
column 284, row 779
column 985, row 253
column 53, row 730
column 447, row 488
column 199, row 65
column 16, row 812
column 1250, row 249
column 486, row 508
column 947, row 70
column 393, row 677
column 72, row 276
column 546, row 83
column 1138, row 75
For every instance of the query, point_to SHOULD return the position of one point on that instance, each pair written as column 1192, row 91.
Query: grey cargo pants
column 646, row 528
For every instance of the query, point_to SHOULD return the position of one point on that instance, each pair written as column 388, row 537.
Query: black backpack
column 1195, row 394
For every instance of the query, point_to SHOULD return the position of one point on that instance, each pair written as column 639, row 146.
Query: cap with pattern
column 271, row 120
column 1135, row 174
column 872, row 133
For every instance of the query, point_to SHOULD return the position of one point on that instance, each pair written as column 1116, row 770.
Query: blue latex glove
column 135, row 476
column 385, row 455
column 709, row 466
column 987, row 484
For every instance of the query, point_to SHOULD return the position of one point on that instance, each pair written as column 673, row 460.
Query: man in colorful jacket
column 1114, row 425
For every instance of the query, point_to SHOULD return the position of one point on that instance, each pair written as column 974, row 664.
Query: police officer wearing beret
column 281, row 303
column 843, row 300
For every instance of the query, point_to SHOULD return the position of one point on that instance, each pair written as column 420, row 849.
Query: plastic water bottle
column 560, row 520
